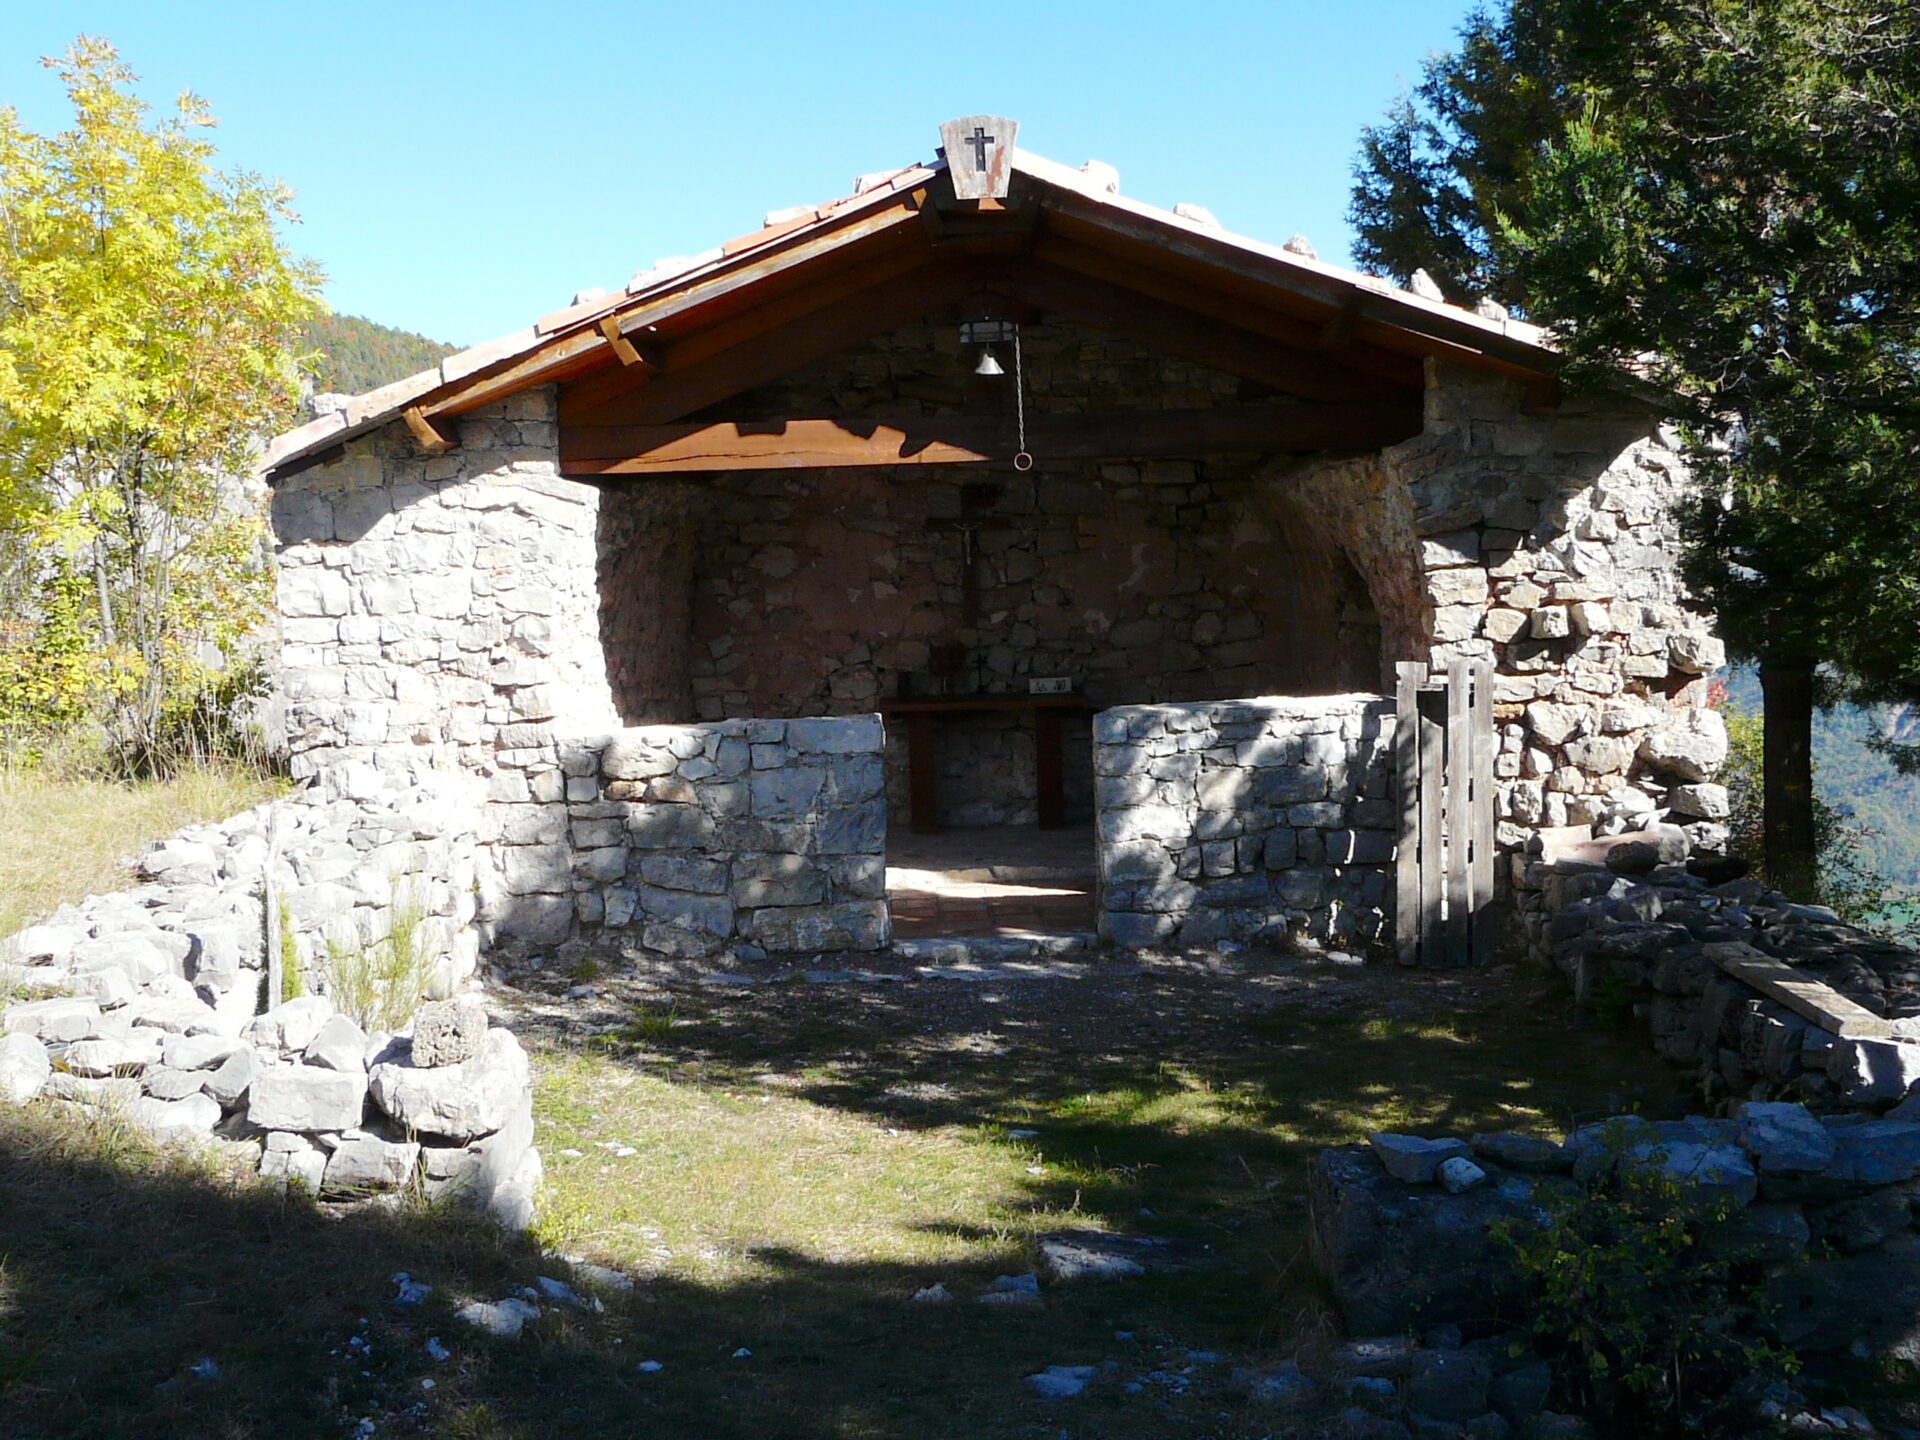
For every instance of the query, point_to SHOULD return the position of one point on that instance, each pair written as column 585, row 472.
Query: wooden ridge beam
column 587, row 451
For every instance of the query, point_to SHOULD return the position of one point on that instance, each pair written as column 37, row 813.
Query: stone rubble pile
column 1824, row 1205
column 148, row 1001
column 1634, row 929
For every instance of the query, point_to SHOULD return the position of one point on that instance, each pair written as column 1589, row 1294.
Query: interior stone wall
column 827, row 591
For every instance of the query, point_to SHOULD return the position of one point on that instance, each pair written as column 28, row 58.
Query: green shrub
column 1631, row 1298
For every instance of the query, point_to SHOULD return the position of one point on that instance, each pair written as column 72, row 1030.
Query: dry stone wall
column 1242, row 820
column 439, row 619
column 1671, row 948
column 748, row 836
column 154, row 1002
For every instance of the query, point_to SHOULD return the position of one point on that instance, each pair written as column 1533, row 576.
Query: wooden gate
column 1443, row 765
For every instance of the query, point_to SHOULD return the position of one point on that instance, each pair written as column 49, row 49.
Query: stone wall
column 754, row 836
column 439, row 619
column 1264, row 819
column 1672, row 948
column 1544, row 541
column 444, row 614
column 154, row 1002
column 1817, row 1210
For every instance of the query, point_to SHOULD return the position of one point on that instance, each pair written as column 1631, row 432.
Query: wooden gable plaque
column 979, row 152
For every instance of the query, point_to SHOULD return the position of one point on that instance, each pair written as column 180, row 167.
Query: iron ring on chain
column 1023, row 461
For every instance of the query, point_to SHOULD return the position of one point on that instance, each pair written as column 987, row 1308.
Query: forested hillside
column 1848, row 774
column 355, row 355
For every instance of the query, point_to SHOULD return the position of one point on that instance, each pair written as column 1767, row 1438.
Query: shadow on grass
column 124, row 1270
column 1138, row 1088
column 1159, row 1106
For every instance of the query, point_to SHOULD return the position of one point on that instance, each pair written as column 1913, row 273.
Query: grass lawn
column 781, row 1167
column 63, row 838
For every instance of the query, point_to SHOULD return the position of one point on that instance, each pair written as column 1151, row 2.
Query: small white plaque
column 1053, row 685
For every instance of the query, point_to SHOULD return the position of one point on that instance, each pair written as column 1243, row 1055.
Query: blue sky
column 461, row 169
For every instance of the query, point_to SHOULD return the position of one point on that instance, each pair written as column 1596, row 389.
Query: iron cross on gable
column 979, row 150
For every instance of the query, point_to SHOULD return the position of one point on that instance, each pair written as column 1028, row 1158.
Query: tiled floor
column 1011, row 881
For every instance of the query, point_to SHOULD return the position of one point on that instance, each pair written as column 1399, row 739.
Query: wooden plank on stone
column 1459, row 786
column 1481, row 815
column 1433, row 888
column 1811, row 999
column 1409, row 674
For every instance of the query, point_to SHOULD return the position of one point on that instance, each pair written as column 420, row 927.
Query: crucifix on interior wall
column 975, row 503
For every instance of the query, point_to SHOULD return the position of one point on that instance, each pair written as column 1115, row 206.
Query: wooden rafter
column 626, row 347
column 681, row 389
column 1382, row 320
column 682, row 343
column 973, row 439
column 1236, row 306
column 436, row 437
column 573, row 352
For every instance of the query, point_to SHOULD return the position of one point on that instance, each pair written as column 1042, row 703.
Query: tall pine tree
column 1723, row 198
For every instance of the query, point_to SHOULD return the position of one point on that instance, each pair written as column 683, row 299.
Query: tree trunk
column 1786, row 688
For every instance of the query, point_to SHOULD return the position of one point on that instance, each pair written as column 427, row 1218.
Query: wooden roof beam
column 1234, row 307
column 434, row 436
column 572, row 352
column 629, row 349
column 1384, row 320
column 683, row 388
column 745, row 326
column 589, row 451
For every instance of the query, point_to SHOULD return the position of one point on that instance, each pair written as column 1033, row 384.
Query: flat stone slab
column 1098, row 1255
column 1012, row 972
column 1413, row 1159
column 1799, row 992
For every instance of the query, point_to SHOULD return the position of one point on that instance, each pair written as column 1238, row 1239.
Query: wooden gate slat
column 1481, row 828
column 1459, row 824
column 1406, row 758
column 1432, row 871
